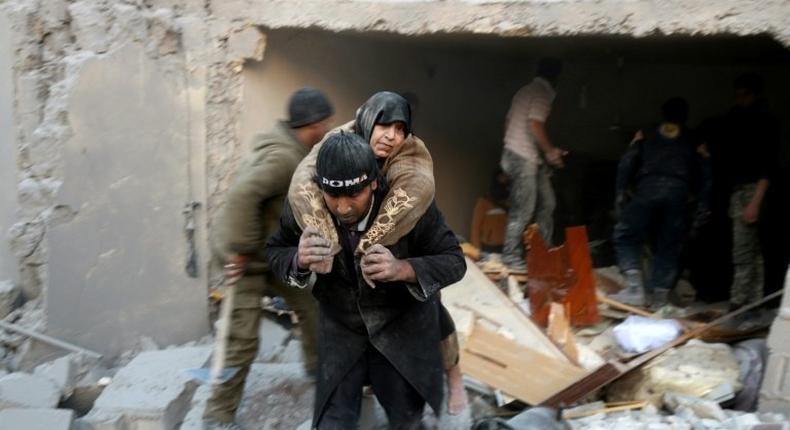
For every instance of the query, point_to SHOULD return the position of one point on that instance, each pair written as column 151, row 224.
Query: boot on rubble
column 634, row 292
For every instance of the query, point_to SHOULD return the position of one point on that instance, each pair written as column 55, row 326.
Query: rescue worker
column 748, row 160
column 379, row 313
column 250, row 215
column 663, row 167
column 527, row 159
column 384, row 121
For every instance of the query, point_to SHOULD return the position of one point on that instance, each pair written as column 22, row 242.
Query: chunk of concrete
column 9, row 295
column 23, row 390
column 248, row 43
column 36, row 419
column 151, row 392
column 62, row 371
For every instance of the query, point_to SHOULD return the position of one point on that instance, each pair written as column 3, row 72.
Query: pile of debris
column 553, row 338
column 49, row 384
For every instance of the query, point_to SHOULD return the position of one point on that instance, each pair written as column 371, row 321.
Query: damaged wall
column 8, row 205
column 109, row 125
column 117, row 266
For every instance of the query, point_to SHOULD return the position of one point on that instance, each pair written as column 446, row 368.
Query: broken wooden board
column 562, row 274
column 476, row 297
column 525, row 374
column 559, row 330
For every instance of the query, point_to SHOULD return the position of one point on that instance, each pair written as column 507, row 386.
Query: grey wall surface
column 609, row 88
column 8, row 180
column 116, row 270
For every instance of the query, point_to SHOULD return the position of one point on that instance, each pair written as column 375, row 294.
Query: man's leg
column 402, row 403
column 629, row 235
column 747, row 284
column 669, row 244
column 523, row 195
column 342, row 408
column 242, row 347
column 547, row 202
column 456, row 392
column 306, row 307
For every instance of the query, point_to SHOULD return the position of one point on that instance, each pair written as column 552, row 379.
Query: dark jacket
column 254, row 201
column 400, row 320
column 750, row 146
column 660, row 162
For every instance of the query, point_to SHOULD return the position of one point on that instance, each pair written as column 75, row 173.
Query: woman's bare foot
column 456, row 399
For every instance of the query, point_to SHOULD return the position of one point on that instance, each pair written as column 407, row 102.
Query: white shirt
column 532, row 102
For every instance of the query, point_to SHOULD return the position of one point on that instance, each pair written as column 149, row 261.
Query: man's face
column 744, row 97
column 386, row 138
column 318, row 130
column 349, row 210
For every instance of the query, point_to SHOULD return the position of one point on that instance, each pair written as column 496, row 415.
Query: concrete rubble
column 23, row 390
column 36, row 419
column 9, row 296
column 697, row 369
column 684, row 419
column 152, row 391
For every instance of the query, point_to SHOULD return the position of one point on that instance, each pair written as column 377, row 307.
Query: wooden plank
column 559, row 331
column 610, row 407
column 518, row 371
column 585, row 386
column 624, row 307
column 475, row 292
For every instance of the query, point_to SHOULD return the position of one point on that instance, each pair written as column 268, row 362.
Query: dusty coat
column 400, row 320
column 254, row 201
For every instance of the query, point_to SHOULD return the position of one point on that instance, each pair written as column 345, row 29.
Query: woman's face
column 386, row 138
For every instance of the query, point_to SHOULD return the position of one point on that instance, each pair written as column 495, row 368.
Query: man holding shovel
column 250, row 216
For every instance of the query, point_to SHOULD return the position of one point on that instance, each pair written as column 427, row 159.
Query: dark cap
column 384, row 107
column 307, row 106
column 345, row 164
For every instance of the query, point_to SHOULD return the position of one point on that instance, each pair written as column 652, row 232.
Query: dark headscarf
column 384, row 107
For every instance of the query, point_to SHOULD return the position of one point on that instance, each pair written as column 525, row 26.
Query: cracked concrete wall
column 116, row 268
column 8, row 204
column 527, row 18
column 110, row 135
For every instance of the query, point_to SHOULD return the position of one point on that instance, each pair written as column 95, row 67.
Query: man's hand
column 751, row 213
column 380, row 265
column 554, row 157
column 234, row 268
column 313, row 251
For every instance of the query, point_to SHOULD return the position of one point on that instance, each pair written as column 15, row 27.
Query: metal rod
column 49, row 340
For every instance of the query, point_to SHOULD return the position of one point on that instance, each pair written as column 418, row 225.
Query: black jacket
column 400, row 320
